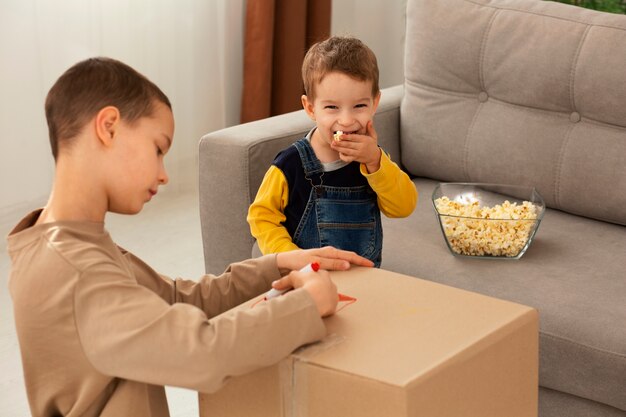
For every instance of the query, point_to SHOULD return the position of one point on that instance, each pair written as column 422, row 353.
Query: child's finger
column 343, row 145
column 283, row 283
column 337, row 259
column 371, row 131
column 347, row 150
column 334, row 264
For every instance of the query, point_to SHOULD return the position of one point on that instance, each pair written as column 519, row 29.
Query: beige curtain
column 278, row 33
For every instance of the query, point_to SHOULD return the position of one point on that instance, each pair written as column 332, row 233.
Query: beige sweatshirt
column 100, row 332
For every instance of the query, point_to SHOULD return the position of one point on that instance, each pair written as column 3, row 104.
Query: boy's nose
column 163, row 177
column 346, row 118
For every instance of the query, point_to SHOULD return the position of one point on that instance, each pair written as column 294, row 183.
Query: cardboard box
column 407, row 347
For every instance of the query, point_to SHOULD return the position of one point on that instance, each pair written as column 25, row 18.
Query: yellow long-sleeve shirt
column 396, row 196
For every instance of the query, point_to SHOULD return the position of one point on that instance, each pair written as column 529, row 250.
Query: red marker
column 273, row 293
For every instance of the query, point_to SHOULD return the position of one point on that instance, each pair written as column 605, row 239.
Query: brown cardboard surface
column 407, row 347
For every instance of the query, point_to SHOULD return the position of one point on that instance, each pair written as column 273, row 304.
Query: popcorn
column 337, row 135
column 501, row 230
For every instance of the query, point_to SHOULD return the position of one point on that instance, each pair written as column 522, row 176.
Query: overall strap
column 310, row 163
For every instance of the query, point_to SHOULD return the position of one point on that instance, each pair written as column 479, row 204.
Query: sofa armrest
column 233, row 161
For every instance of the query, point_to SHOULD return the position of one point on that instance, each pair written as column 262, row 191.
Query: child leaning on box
column 329, row 187
column 101, row 332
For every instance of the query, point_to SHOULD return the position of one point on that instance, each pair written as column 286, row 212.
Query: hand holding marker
column 273, row 293
column 312, row 267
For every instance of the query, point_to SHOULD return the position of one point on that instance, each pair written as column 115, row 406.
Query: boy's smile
column 341, row 103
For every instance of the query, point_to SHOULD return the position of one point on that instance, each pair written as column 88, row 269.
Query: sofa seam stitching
column 472, row 96
column 439, row 90
column 560, row 338
column 483, row 47
column 466, row 144
column 512, row 9
column 480, row 105
column 506, row 103
column 559, row 165
column 558, row 169
column 573, row 71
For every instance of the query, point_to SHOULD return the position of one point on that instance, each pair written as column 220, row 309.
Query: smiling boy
column 329, row 188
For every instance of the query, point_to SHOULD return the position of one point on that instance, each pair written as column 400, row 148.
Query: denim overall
column 344, row 217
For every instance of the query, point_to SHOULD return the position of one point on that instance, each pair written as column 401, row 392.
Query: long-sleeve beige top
column 100, row 332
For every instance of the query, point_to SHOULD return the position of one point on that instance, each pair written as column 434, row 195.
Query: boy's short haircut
column 342, row 54
column 89, row 86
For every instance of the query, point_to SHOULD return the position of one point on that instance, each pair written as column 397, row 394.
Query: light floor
column 166, row 234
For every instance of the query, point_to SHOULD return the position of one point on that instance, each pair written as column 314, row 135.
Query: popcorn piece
column 502, row 230
column 337, row 135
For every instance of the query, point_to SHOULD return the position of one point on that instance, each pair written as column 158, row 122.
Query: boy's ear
column 308, row 106
column 107, row 122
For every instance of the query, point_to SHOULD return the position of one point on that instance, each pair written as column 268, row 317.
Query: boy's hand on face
column 360, row 148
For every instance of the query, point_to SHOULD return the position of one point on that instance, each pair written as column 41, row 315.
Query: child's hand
column 318, row 284
column 328, row 257
column 360, row 148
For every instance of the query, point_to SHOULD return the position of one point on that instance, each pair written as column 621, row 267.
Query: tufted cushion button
column 483, row 97
column 574, row 117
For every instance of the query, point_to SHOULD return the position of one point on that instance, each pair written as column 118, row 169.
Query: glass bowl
column 491, row 221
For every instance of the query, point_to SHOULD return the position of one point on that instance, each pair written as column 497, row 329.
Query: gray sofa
column 505, row 91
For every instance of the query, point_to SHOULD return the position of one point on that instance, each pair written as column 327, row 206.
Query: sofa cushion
column 519, row 91
column 573, row 273
column 559, row 404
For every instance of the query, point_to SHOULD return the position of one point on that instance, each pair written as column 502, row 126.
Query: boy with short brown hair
column 100, row 332
column 329, row 187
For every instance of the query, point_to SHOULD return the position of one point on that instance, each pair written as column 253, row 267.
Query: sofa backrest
column 518, row 91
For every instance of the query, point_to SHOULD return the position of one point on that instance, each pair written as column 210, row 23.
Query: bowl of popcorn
column 493, row 221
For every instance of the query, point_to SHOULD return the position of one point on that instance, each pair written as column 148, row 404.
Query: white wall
column 190, row 48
